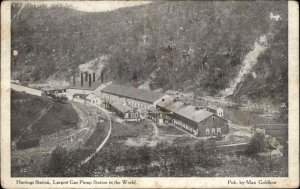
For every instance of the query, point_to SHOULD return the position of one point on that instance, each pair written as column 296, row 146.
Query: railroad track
column 103, row 142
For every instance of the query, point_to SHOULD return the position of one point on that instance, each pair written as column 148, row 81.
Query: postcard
column 149, row 94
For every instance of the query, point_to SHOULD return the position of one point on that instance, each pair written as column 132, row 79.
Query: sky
column 93, row 6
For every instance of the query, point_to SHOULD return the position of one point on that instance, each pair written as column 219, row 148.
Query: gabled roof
column 122, row 107
column 193, row 114
column 133, row 93
column 169, row 104
column 153, row 109
column 188, row 111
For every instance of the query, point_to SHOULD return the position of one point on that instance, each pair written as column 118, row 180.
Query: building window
column 136, row 115
column 207, row 131
column 220, row 113
column 132, row 115
column 126, row 115
column 213, row 131
column 219, row 130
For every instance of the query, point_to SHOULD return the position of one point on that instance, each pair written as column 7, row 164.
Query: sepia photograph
column 141, row 89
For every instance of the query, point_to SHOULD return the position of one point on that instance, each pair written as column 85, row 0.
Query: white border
column 158, row 182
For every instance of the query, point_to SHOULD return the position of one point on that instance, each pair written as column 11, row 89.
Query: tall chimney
column 86, row 76
column 81, row 79
column 90, row 80
column 94, row 77
column 101, row 77
column 74, row 80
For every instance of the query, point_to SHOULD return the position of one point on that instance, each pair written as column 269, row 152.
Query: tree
column 256, row 144
column 206, row 153
column 57, row 162
column 199, row 151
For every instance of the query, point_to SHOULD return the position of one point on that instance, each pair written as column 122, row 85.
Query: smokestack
column 86, row 76
column 74, row 80
column 101, row 77
column 81, row 79
column 94, row 77
column 90, row 80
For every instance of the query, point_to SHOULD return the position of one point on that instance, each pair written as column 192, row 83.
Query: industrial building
column 194, row 120
column 137, row 98
column 126, row 112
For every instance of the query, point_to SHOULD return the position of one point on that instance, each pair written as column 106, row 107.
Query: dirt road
column 104, row 141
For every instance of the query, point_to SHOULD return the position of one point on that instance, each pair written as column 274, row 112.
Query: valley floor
column 142, row 149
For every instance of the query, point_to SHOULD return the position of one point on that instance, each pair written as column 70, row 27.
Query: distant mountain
column 191, row 46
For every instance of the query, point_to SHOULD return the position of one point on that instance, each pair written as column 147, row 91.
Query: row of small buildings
column 134, row 104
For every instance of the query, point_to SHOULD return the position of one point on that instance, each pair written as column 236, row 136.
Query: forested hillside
column 190, row 46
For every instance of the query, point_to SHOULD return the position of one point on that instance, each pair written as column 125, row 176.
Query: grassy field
column 59, row 117
column 24, row 109
column 133, row 129
column 28, row 108
column 169, row 130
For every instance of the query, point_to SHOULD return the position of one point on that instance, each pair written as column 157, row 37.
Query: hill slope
column 191, row 46
column 26, row 109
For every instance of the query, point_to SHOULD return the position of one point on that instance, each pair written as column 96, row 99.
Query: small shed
column 94, row 99
column 156, row 115
column 80, row 98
